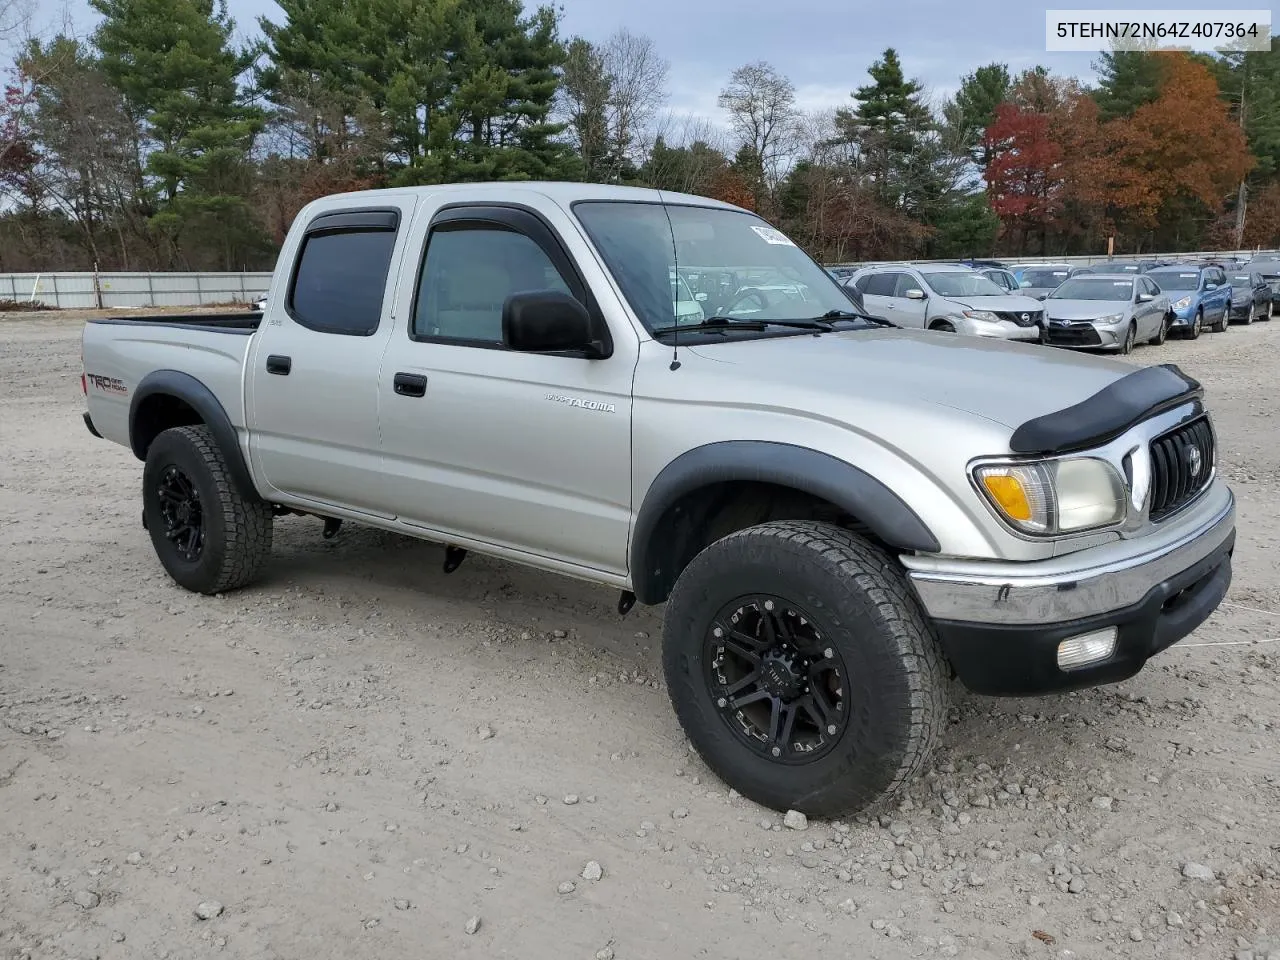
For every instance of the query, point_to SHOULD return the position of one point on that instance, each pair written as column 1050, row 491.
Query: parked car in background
column 1250, row 297
column 1038, row 280
column 1269, row 270
column 1201, row 297
column 260, row 304
column 1001, row 278
column 953, row 299
column 1107, row 312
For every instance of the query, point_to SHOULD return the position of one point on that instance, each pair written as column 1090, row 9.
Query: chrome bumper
column 1072, row 587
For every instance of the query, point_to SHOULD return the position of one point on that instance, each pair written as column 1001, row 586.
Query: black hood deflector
column 1108, row 413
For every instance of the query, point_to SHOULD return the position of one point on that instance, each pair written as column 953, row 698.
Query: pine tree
column 173, row 63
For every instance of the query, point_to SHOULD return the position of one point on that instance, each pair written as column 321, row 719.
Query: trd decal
column 107, row 384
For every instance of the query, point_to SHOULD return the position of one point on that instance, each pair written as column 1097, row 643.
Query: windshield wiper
column 721, row 324
column 832, row 315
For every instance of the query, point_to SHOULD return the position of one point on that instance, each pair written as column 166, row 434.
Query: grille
column 1081, row 335
column 1033, row 317
column 1181, row 464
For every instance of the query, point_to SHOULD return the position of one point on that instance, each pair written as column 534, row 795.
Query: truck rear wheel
column 210, row 536
column 802, row 668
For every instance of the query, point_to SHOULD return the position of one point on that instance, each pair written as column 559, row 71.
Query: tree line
column 159, row 143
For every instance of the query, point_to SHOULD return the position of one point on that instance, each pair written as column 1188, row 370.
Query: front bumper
column 1000, row 623
column 1242, row 311
column 1086, row 334
column 997, row 330
column 1183, row 318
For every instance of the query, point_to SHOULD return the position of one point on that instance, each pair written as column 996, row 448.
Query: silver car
column 1038, row 280
column 952, row 299
column 1107, row 312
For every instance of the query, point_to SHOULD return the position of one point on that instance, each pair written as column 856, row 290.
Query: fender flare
column 784, row 464
column 195, row 394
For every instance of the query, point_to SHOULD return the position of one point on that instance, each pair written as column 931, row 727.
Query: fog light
column 1086, row 649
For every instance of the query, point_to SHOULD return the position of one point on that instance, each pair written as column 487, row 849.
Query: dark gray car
column 1251, row 297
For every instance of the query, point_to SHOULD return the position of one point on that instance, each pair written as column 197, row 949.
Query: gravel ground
column 363, row 756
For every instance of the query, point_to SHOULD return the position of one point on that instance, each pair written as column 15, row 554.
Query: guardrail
column 87, row 291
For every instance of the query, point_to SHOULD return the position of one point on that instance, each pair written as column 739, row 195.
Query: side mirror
column 1145, row 297
column 1025, row 283
column 700, row 297
column 548, row 321
column 915, row 293
column 1043, row 296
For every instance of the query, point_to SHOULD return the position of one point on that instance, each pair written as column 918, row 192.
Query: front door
column 531, row 452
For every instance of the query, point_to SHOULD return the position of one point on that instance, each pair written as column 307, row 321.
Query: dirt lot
column 361, row 754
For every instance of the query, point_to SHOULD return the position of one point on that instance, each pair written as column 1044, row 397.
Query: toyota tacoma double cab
column 841, row 516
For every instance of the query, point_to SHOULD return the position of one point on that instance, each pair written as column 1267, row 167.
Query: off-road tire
column 897, row 679
column 237, row 523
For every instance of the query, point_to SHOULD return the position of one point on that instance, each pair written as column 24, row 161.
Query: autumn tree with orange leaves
column 1024, row 177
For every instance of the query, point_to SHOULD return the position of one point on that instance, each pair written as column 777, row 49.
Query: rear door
column 312, row 381
column 877, row 294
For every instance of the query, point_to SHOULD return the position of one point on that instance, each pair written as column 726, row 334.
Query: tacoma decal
column 584, row 404
column 107, row 384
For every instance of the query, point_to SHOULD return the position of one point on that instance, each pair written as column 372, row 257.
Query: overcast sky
column 824, row 46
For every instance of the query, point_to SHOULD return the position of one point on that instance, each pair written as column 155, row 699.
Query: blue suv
column 1200, row 297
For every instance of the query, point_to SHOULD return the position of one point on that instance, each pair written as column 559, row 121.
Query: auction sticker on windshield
column 770, row 235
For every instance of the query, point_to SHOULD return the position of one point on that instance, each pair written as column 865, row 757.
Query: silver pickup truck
column 841, row 516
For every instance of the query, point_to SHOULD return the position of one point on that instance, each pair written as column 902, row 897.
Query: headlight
column 1111, row 318
column 985, row 315
column 1181, row 304
column 1055, row 496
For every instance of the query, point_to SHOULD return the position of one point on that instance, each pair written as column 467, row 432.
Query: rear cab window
column 341, row 272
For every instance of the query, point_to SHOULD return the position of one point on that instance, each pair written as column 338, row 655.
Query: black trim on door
column 528, row 222
column 279, row 365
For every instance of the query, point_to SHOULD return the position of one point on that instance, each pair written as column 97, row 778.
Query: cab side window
column 341, row 273
column 468, row 273
column 881, row 284
column 906, row 282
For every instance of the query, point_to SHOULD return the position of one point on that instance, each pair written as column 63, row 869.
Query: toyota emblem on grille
column 1194, row 460
column 1026, row 317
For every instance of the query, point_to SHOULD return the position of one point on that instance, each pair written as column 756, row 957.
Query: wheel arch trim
column 198, row 396
column 803, row 469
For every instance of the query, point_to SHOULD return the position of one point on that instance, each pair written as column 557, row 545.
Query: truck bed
column 241, row 323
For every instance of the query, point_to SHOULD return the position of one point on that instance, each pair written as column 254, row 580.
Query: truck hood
column 1003, row 382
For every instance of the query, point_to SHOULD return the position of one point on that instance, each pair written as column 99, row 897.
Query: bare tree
column 761, row 104
column 637, row 78
column 584, row 104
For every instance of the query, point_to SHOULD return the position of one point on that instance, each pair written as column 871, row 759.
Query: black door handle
column 410, row 384
column 279, row 365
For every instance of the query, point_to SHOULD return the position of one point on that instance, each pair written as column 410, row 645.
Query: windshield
column 745, row 267
column 1043, row 277
column 1089, row 289
column 1241, row 282
column 1176, row 279
column 957, row 284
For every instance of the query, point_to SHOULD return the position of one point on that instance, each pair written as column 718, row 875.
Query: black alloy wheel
column 776, row 681
column 182, row 513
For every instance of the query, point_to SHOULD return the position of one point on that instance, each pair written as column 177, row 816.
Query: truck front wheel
column 802, row 669
column 210, row 536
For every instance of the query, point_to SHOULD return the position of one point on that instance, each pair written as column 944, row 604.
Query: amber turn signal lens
column 1007, row 491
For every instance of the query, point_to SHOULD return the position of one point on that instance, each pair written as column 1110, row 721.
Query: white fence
column 79, row 290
